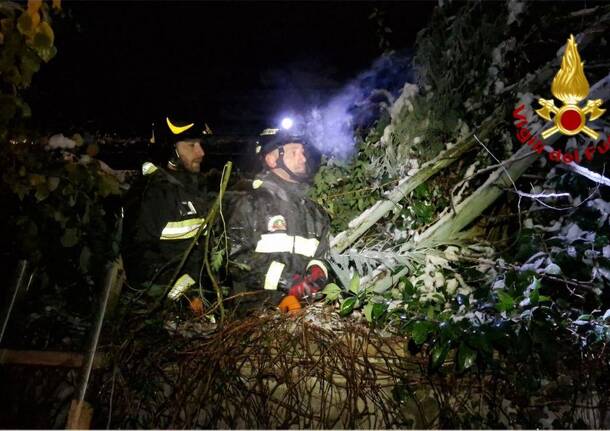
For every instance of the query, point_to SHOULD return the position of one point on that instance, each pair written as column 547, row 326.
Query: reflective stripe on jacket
column 275, row 232
column 169, row 210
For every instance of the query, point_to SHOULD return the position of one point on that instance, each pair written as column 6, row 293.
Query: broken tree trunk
column 368, row 218
column 445, row 229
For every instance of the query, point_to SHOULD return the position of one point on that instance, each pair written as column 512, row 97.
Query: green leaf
column 347, row 306
column 354, row 285
column 52, row 183
column 42, row 192
column 420, row 331
column 506, row 302
column 216, row 261
column 408, row 290
column 378, row 310
column 368, row 312
column 332, row 292
column 25, row 24
column 466, row 357
column 155, row 290
column 437, row 356
column 70, row 237
column 44, row 37
column 46, row 54
column 421, row 191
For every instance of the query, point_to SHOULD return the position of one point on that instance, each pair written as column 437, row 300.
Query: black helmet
column 271, row 139
column 167, row 133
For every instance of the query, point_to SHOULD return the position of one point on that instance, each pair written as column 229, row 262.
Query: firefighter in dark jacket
column 171, row 205
column 279, row 237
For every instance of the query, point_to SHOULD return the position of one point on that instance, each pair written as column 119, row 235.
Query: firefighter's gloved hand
column 307, row 286
column 303, row 288
column 289, row 304
column 315, row 274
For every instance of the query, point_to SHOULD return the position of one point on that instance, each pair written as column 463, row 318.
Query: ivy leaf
column 421, row 330
column 506, row 301
column 437, row 356
column 368, row 312
column 20, row 190
column 70, row 237
column 378, row 310
column 354, row 285
column 26, row 23
column 46, row 54
column 347, row 306
column 42, row 192
column 332, row 292
column 408, row 290
column 52, row 183
column 466, row 357
column 44, row 37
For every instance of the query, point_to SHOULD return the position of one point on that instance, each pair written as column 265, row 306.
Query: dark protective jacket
column 276, row 232
column 163, row 215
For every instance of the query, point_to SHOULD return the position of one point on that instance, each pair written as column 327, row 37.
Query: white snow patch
column 60, row 141
column 515, row 8
column 499, row 284
column 409, row 91
column 552, row 269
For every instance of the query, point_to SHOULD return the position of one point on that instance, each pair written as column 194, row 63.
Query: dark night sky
column 120, row 65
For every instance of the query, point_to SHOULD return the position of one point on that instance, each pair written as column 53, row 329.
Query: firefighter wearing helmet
column 166, row 208
column 279, row 237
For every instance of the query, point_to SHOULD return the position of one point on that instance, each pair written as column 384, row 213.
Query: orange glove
column 196, row 306
column 289, row 304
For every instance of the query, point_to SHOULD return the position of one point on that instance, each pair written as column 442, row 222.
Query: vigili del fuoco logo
column 571, row 87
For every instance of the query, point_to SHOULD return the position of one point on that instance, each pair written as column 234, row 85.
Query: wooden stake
column 80, row 415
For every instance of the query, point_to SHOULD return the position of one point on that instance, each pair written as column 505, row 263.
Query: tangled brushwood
column 316, row 370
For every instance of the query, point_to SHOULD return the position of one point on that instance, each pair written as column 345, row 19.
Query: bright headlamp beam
column 287, row 123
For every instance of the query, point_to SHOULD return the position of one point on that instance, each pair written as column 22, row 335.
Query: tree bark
column 368, row 218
